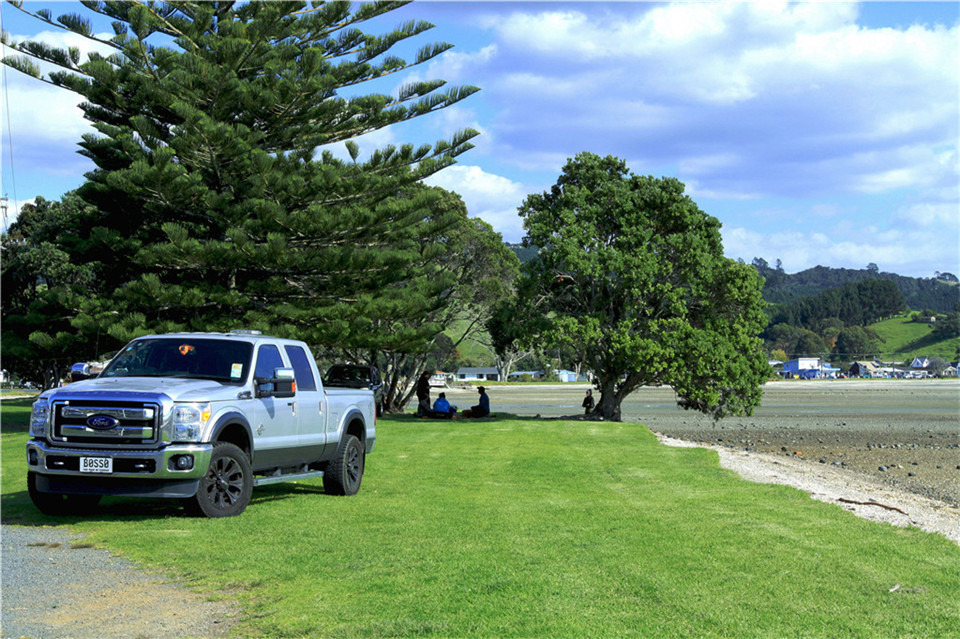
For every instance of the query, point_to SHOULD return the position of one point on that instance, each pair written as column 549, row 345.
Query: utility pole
column 3, row 209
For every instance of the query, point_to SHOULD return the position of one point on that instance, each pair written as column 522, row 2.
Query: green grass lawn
column 904, row 340
column 512, row 527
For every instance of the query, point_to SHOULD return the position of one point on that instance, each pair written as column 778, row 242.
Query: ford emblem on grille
column 102, row 422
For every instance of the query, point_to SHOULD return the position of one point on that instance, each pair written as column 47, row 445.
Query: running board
column 277, row 478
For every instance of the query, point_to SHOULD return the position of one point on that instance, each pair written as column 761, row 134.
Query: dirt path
column 56, row 586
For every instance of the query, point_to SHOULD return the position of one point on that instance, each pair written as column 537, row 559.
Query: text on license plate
column 96, row 464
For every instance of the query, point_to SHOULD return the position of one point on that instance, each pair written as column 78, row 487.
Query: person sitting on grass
column 588, row 403
column 483, row 408
column 442, row 408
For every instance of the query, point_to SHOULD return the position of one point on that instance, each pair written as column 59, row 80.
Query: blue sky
column 817, row 133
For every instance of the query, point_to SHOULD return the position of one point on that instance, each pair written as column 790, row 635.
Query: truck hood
column 147, row 388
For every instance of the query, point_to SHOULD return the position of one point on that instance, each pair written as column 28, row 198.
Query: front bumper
column 147, row 473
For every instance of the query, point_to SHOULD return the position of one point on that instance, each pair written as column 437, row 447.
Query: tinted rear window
column 301, row 368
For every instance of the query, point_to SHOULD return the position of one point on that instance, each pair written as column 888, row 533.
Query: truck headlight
column 39, row 417
column 189, row 420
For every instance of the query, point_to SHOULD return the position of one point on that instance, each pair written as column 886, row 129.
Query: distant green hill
column 938, row 294
column 904, row 340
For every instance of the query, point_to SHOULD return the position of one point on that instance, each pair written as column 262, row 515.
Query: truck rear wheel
column 344, row 473
column 58, row 504
column 227, row 487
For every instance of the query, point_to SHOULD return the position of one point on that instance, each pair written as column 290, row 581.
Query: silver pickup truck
column 201, row 417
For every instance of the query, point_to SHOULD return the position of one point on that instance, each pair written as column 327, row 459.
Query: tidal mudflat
column 903, row 433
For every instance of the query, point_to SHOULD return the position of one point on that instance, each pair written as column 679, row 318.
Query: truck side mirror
column 283, row 384
column 80, row 371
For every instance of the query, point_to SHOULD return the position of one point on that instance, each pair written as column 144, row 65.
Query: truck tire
column 344, row 474
column 227, row 487
column 57, row 504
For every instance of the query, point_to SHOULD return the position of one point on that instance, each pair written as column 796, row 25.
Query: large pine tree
column 220, row 203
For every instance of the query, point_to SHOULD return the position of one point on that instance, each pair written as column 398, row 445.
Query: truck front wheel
column 227, row 487
column 343, row 474
column 57, row 504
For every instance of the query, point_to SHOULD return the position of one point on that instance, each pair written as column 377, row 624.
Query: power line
column 6, row 104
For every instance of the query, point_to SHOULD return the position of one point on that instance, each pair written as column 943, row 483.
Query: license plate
column 96, row 464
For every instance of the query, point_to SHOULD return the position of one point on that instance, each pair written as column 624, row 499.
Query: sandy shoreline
column 843, row 488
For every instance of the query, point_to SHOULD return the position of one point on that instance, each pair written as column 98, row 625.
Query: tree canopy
column 631, row 271
column 229, row 189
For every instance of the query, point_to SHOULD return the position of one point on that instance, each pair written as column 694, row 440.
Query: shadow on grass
column 15, row 415
column 921, row 343
column 410, row 418
column 17, row 509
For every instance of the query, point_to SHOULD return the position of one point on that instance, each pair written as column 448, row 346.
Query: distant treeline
column 854, row 304
column 938, row 294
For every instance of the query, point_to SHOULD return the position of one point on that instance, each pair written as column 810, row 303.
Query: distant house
column 866, row 369
column 478, row 374
column 920, row 363
column 809, row 368
column 439, row 378
column 567, row 376
column 533, row 374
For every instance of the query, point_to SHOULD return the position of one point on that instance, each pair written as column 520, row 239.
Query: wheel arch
column 233, row 427
column 356, row 425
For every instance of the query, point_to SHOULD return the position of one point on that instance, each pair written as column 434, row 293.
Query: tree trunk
column 609, row 405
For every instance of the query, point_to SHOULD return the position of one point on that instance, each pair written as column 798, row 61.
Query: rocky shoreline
column 862, row 495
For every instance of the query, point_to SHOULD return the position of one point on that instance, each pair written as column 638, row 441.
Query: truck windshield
column 217, row 359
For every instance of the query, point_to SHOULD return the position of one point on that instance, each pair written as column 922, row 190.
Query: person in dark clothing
column 588, row 403
column 423, row 395
column 483, row 408
column 442, row 408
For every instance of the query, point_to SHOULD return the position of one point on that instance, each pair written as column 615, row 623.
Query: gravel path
column 56, row 586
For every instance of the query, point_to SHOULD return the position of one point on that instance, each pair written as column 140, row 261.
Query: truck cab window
column 268, row 361
column 301, row 368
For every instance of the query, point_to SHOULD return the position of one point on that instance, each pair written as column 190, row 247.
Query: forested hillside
column 938, row 294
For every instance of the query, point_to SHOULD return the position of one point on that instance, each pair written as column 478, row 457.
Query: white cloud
column 53, row 114
column 490, row 197
column 917, row 252
column 749, row 99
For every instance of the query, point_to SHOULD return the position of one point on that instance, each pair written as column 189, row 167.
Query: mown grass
column 512, row 527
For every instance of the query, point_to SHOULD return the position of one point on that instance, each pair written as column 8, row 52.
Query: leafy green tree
column 220, row 201
column 631, row 271
column 856, row 342
column 809, row 344
column 458, row 277
column 46, row 272
column 505, row 330
column 949, row 326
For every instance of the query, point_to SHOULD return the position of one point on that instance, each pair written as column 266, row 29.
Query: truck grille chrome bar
column 106, row 424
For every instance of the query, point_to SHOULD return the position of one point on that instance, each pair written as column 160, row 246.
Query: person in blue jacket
column 442, row 408
column 483, row 408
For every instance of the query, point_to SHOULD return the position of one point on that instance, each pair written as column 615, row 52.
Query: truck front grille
column 106, row 423
column 120, row 464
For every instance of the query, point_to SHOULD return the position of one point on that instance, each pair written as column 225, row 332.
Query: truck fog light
column 181, row 462
column 32, row 458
